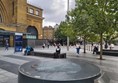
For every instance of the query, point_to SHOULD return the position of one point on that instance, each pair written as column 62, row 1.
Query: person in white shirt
column 111, row 46
column 78, row 48
column 58, row 50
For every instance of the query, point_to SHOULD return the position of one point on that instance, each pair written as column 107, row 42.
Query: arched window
column 33, row 31
column 0, row 18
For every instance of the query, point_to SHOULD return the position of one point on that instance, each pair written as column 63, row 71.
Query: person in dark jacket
column 95, row 49
column 106, row 46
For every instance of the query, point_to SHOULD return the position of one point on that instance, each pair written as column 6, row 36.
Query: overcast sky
column 54, row 11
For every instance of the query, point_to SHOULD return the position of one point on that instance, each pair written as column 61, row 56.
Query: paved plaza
column 10, row 62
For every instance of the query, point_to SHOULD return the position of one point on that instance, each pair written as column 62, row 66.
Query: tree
column 110, row 36
column 58, row 35
column 67, row 30
column 95, row 16
column 64, row 30
column 81, row 20
column 103, row 13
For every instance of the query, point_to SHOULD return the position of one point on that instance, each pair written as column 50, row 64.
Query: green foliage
column 91, row 18
column 59, row 35
column 93, row 38
column 81, row 20
column 65, row 30
column 95, row 16
column 111, row 35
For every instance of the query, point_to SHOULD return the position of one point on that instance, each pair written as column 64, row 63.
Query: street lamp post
column 67, row 36
column 68, row 6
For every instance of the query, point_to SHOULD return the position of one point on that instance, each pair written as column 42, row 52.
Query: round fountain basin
column 58, row 71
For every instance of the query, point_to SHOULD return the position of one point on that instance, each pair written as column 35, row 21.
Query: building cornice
column 34, row 6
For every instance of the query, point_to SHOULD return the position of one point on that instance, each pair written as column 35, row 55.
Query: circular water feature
column 58, row 71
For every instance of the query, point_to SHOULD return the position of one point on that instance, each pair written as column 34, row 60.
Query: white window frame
column 37, row 12
column 31, row 10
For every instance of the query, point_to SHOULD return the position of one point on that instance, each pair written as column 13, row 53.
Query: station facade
column 48, row 32
column 17, row 16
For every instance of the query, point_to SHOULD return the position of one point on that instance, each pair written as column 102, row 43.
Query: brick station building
column 21, row 17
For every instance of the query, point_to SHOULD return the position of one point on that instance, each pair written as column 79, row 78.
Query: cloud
column 54, row 11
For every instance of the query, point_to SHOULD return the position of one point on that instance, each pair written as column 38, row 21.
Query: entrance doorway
column 33, row 31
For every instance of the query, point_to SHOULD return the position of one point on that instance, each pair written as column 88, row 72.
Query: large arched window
column 33, row 31
column 0, row 18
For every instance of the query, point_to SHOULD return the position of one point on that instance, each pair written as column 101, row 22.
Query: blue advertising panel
column 18, row 38
column 18, row 43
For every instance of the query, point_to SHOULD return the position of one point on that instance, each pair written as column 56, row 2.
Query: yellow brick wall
column 21, row 11
column 37, row 23
column 48, row 33
column 21, row 19
column 35, row 20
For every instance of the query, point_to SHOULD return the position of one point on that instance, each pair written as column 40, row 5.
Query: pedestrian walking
column 6, row 45
column 78, row 48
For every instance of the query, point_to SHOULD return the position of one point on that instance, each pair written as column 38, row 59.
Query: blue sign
column 18, row 38
column 18, row 43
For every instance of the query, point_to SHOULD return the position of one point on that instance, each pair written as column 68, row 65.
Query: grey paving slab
column 22, row 57
column 4, row 79
column 12, row 60
column 15, row 80
column 109, row 65
column 113, row 81
column 113, row 75
column 9, row 66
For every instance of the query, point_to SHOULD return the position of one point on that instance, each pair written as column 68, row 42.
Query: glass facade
column 3, row 38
